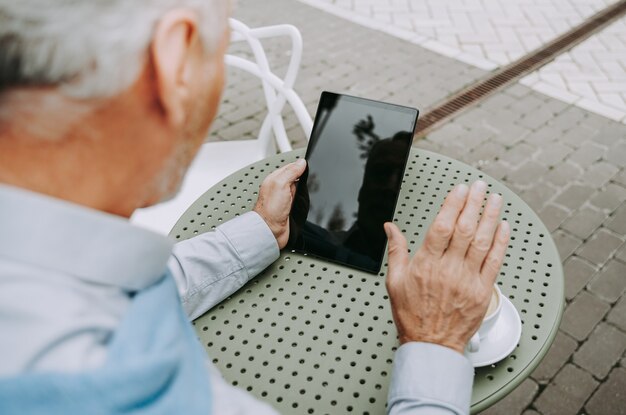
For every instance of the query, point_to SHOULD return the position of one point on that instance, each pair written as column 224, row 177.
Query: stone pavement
column 592, row 75
column 567, row 163
column 489, row 34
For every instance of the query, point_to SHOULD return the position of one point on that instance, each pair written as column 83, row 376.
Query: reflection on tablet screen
column 356, row 159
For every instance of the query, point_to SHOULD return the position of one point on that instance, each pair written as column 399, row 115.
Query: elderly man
column 103, row 104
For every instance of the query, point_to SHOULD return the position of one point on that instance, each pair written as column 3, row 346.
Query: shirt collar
column 85, row 243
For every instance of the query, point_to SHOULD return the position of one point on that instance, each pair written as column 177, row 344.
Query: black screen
column 355, row 163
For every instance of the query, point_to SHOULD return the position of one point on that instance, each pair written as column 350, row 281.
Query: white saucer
column 502, row 338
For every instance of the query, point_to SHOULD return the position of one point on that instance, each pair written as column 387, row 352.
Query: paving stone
column 610, row 282
column 551, row 215
column 494, row 169
column 600, row 173
column 610, row 134
column 601, row 351
column 529, row 173
column 610, row 397
column 559, row 353
column 578, row 273
column 617, row 316
column 599, row 248
column 563, row 174
column 536, row 118
column 610, row 197
column 617, row 154
column 621, row 253
column 553, row 153
column 567, row 394
column 620, row 177
column 516, row 401
column 574, row 196
column 531, row 412
column 587, row 154
column 617, row 221
column 566, row 244
column 584, row 222
column 583, row 314
column 506, row 133
column 544, row 136
column 489, row 150
column 517, row 155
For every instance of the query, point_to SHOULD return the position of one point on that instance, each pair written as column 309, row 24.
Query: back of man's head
column 89, row 49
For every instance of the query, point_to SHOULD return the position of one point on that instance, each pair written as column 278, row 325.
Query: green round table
column 314, row 337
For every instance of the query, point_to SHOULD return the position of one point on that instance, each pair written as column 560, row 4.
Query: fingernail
column 462, row 190
column 495, row 198
column 480, row 185
column 504, row 229
column 301, row 162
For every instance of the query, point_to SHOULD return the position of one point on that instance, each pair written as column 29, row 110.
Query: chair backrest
column 276, row 91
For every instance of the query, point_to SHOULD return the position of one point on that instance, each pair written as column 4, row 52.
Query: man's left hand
column 276, row 197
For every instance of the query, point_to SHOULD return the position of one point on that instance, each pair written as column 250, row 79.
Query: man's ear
column 172, row 54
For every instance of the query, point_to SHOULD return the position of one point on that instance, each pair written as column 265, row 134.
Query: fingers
column 467, row 222
column 483, row 239
column 440, row 232
column 398, row 252
column 495, row 257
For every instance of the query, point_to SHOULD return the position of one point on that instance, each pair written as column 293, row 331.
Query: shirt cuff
column 431, row 376
column 256, row 253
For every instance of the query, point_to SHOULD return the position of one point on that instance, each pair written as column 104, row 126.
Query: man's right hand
column 441, row 294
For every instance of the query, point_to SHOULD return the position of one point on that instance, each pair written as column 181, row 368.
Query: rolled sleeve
column 253, row 240
column 430, row 379
column 212, row 266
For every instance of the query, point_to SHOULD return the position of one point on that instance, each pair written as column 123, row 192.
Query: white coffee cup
column 493, row 312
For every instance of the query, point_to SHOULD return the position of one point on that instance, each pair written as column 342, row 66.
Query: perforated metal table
column 312, row 337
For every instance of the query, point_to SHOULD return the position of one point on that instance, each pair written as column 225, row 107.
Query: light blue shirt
column 67, row 274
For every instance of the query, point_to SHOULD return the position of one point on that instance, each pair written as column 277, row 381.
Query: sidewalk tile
column 559, row 353
column 617, row 154
column 610, row 197
column 551, row 215
column 578, row 273
column 516, row 401
column 617, row 222
column 620, row 178
column 610, row 283
column 600, row 173
column 621, row 253
column 574, row 196
column 599, row 248
column 601, row 109
column 601, row 351
column 587, row 154
column 563, row 174
column 583, row 314
column 553, row 153
column 529, row 173
column 566, row 244
column 567, row 394
column 610, row 398
column 617, row 316
column 584, row 222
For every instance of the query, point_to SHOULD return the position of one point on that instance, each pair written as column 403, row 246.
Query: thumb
column 398, row 258
column 294, row 170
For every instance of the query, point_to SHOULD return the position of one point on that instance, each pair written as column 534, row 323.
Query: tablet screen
column 356, row 159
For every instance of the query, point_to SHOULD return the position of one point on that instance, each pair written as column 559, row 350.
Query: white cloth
column 67, row 274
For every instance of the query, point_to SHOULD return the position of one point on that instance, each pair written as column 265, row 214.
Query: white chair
column 215, row 161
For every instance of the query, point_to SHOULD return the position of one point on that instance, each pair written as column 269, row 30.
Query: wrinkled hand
column 275, row 199
column 441, row 294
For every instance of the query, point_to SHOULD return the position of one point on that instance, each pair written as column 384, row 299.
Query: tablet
column 355, row 164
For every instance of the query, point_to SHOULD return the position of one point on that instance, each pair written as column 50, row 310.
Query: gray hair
column 89, row 48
